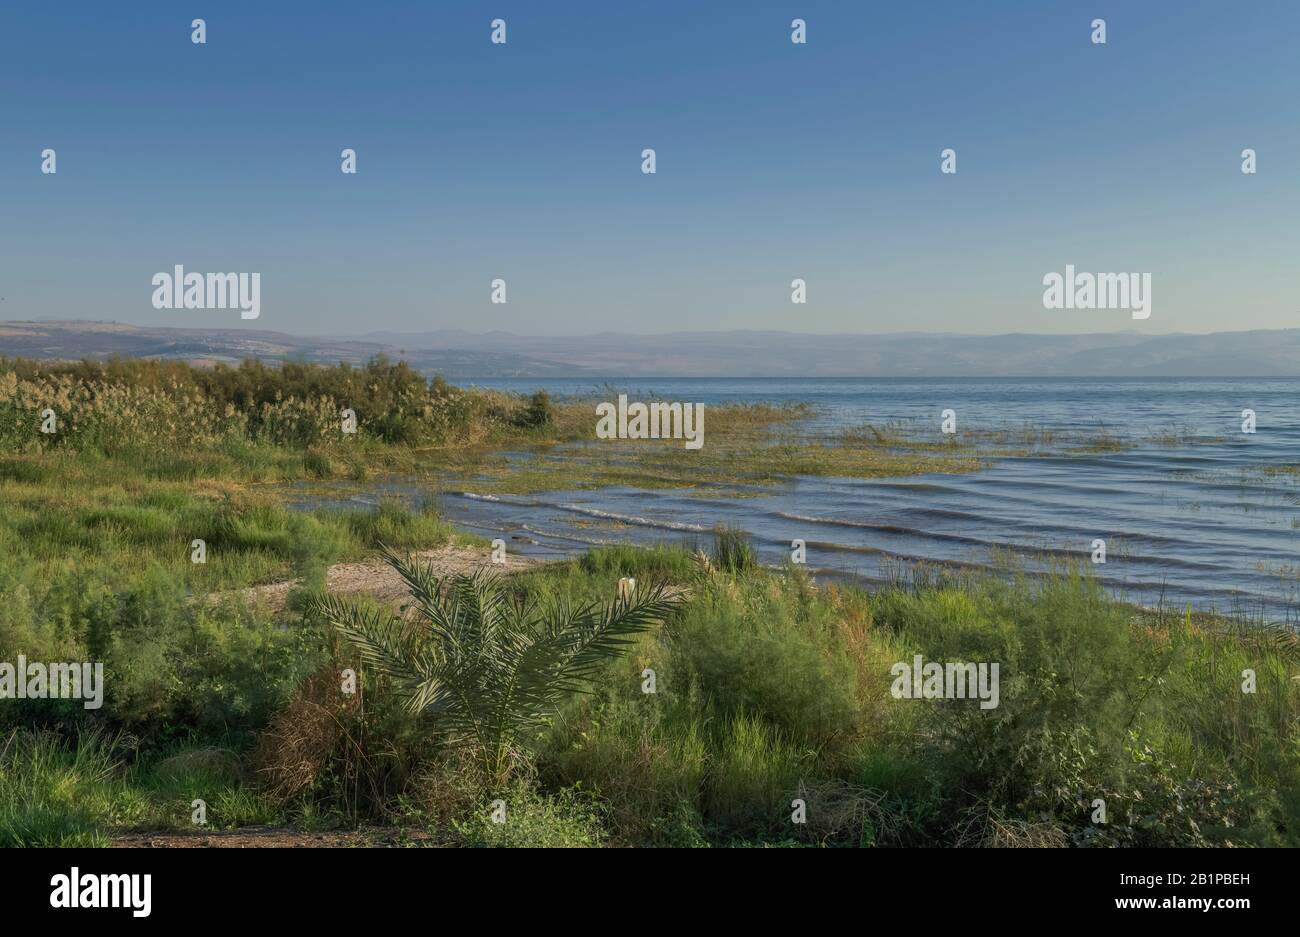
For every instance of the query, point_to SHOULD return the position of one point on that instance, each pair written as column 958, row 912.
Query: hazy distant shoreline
column 742, row 354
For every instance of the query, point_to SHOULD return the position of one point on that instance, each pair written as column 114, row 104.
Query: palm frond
column 596, row 638
column 483, row 667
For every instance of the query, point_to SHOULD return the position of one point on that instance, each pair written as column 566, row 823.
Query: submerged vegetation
column 699, row 710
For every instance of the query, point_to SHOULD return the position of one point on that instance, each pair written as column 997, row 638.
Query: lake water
column 1209, row 521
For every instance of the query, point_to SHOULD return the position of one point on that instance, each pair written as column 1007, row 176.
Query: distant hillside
column 462, row 355
column 77, row 340
column 790, row 354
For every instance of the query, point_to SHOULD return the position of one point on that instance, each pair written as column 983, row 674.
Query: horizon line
column 396, row 332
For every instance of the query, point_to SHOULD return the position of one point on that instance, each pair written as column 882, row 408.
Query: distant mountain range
column 461, row 355
column 70, row 340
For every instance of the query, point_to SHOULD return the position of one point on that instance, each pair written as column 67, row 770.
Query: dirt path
column 376, row 578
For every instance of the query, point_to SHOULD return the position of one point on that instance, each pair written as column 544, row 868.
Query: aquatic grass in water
column 732, row 551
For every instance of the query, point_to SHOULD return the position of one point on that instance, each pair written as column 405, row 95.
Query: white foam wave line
column 631, row 519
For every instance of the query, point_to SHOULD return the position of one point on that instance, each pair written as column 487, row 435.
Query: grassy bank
column 768, row 689
column 112, row 474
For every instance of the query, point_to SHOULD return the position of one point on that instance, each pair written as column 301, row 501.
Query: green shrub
column 758, row 650
column 539, row 411
column 483, row 669
column 568, row 819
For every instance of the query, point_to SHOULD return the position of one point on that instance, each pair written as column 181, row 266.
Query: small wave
column 632, row 519
column 911, row 486
column 566, row 537
column 500, row 499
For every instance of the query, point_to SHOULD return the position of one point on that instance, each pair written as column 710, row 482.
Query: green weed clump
column 761, row 699
column 732, row 551
column 173, row 666
column 769, row 690
column 55, row 794
column 568, row 819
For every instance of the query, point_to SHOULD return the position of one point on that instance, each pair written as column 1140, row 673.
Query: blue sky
column 775, row 161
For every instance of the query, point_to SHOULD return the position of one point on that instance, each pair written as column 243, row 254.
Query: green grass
column 567, row 819
column 614, row 562
column 120, row 521
column 52, row 794
column 768, row 689
column 732, row 551
column 78, row 791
